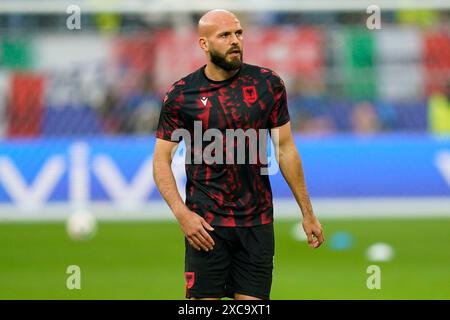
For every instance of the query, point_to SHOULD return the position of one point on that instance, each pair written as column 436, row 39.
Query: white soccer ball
column 380, row 252
column 81, row 225
column 298, row 233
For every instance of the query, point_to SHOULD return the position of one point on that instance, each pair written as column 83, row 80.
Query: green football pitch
column 144, row 260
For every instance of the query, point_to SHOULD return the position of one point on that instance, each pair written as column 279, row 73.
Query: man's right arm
column 193, row 226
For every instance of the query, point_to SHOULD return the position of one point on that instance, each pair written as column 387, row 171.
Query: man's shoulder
column 182, row 84
column 272, row 77
column 263, row 72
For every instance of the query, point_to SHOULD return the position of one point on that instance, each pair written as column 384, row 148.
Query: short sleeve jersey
column 222, row 187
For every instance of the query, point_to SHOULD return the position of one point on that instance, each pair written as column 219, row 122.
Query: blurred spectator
column 320, row 125
column 439, row 111
column 307, row 108
column 388, row 116
column 297, row 115
column 109, row 112
column 142, row 106
column 145, row 117
column 134, row 110
column 364, row 118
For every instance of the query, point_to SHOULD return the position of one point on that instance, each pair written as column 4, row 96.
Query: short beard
column 220, row 61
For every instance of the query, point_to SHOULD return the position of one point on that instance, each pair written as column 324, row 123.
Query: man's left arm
column 292, row 170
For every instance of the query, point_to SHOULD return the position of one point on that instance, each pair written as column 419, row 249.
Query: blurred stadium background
column 370, row 110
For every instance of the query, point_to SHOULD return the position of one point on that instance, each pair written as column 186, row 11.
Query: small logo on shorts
column 190, row 279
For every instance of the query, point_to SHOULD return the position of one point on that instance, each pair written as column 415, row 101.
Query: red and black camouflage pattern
column 229, row 195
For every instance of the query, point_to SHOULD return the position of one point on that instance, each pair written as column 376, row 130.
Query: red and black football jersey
column 227, row 193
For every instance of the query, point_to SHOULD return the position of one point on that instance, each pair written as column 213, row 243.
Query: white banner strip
column 284, row 209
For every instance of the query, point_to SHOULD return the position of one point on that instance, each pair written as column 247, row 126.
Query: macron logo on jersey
column 204, row 100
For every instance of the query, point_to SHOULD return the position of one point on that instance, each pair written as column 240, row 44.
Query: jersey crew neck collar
column 222, row 81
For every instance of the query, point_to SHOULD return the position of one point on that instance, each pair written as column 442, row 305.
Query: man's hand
column 313, row 231
column 194, row 228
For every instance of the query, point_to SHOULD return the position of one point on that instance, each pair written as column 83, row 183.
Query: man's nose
column 234, row 39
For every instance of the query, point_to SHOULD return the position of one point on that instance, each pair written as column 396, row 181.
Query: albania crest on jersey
column 250, row 94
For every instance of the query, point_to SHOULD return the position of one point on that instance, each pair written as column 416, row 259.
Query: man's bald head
column 220, row 37
column 214, row 19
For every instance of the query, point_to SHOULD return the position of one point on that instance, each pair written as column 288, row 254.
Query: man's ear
column 203, row 44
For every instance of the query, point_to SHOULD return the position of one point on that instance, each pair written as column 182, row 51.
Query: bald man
column 227, row 218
